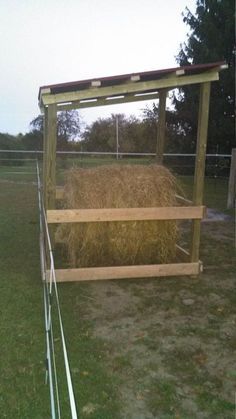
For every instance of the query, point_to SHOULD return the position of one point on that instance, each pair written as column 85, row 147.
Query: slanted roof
column 131, row 87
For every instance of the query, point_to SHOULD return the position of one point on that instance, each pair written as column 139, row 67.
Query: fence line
column 217, row 165
column 111, row 153
column 50, row 290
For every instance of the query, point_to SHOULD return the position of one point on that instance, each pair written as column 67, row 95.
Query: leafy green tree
column 10, row 142
column 68, row 128
column 101, row 135
column 175, row 136
column 32, row 140
column 211, row 39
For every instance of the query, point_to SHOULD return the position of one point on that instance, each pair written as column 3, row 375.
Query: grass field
column 139, row 349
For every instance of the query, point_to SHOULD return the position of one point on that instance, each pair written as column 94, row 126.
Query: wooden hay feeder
column 121, row 89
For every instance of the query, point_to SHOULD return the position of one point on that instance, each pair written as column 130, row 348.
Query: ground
column 138, row 349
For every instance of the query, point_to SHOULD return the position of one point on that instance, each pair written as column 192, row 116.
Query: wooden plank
column 232, row 182
column 124, row 272
column 182, row 253
column 51, row 157
column 124, row 214
column 171, row 82
column 45, row 129
column 199, row 174
column 105, row 101
column 161, row 126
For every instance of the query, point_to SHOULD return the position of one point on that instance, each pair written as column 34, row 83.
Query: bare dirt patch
column 172, row 341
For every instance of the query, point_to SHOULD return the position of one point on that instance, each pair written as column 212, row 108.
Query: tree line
column 211, row 39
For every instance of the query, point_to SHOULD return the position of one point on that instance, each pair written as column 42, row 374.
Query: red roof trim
column 76, row 85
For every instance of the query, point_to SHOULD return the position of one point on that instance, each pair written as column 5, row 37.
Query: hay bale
column 119, row 243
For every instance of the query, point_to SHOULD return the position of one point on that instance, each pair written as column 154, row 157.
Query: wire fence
column 217, row 165
column 50, row 291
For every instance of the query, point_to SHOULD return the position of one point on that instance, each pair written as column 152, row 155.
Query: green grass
column 215, row 191
column 101, row 367
column 18, row 173
column 209, row 401
column 23, row 393
column 163, row 399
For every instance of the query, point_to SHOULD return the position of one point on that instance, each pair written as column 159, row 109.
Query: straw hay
column 119, row 243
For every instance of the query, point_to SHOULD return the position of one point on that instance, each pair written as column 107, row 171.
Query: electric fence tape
column 51, row 371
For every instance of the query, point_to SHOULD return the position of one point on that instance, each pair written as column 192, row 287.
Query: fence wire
column 50, row 289
column 217, row 165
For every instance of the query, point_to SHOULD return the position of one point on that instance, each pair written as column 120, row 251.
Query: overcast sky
column 52, row 41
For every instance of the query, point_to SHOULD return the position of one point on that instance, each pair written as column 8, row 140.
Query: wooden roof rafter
column 125, row 88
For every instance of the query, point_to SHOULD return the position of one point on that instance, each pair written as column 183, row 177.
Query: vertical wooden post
column 161, row 127
column 199, row 174
column 45, row 128
column 51, row 157
column 232, row 181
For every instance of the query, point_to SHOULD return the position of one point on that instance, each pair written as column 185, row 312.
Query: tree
column 101, row 134
column 175, row 136
column 211, row 39
column 68, row 127
column 32, row 140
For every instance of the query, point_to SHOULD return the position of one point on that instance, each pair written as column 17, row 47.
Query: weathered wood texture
column 199, row 174
column 123, row 272
column 51, row 157
column 124, row 214
column 161, row 126
column 232, row 182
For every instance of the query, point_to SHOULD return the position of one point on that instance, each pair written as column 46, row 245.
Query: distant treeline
column 135, row 135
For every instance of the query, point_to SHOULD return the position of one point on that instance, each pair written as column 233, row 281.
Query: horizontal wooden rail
column 124, row 272
column 124, row 214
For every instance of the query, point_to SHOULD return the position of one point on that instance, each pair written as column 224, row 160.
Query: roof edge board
column 126, row 88
column 188, row 68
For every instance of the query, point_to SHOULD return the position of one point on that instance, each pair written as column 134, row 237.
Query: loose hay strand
column 119, row 243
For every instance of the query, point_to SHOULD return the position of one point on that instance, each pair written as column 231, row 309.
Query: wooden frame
column 124, row 214
column 124, row 272
column 121, row 89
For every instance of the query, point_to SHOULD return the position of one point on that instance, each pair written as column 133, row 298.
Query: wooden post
column 51, row 141
column 232, row 181
column 45, row 128
column 203, row 117
column 161, row 126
